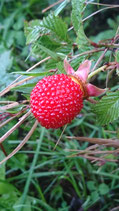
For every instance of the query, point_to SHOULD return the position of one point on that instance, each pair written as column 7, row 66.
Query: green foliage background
column 38, row 178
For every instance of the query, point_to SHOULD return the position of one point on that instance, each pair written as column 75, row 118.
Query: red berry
column 56, row 100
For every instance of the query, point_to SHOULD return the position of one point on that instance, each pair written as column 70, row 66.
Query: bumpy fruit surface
column 56, row 100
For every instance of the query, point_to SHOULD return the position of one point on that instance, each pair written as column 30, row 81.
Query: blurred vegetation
column 38, row 177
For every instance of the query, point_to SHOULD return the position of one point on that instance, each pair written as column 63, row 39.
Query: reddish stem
column 2, row 148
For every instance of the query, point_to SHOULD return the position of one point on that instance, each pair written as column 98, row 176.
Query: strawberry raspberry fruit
column 56, row 100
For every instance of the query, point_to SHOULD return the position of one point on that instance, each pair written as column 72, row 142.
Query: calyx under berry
column 81, row 76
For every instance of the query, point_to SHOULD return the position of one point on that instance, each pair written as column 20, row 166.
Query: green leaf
column 94, row 196
column 26, row 88
column 82, row 40
column 8, row 200
column 48, row 43
column 61, row 7
column 77, row 10
column 118, row 133
column 35, row 74
column 56, row 25
column 103, row 189
column 32, row 30
column 25, row 207
column 49, row 52
column 5, row 62
column 2, row 167
column 6, row 187
column 51, row 24
column 117, row 59
column 107, row 110
column 91, row 185
column 5, row 65
column 117, row 56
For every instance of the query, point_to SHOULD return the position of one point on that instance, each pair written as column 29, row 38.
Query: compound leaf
column 107, row 110
column 50, row 25
column 77, row 10
column 77, row 13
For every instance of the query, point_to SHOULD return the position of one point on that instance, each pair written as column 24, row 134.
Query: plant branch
column 13, row 117
column 95, row 13
column 100, row 141
column 52, row 5
column 99, row 60
column 2, row 148
column 87, row 52
column 60, row 137
column 106, row 5
column 9, row 132
column 22, row 143
column 12, row 105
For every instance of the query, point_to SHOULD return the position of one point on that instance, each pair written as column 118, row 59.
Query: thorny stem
column 108, row 45
column 99, row 60
column 86, row 52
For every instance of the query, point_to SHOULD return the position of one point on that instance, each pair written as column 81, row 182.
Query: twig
column 89, row 150
column 7, row 102
column 2, row 148
column 95, row 13
column 22, row 143
column 22, row 119
column 100, row 141
column 87, row 52
column 99, row 60
column 94, row 159
column 96, row 152
column 115, row 209
column 12, row 105
column 60, row 137
column 13, row 117
column 106, row 5
column 52, row 5
column 14, row 85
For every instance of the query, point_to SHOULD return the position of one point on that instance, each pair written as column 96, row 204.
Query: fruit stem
column 96, row 71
